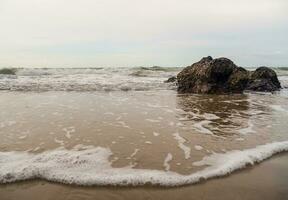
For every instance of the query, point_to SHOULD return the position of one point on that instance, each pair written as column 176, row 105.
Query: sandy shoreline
column 267, row 180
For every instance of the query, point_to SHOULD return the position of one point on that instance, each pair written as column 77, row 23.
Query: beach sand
column 267, row 180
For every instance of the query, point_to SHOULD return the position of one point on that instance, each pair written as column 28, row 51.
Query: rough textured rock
column 238, row 80
column 263, row 79
column 207, row 76
column 221, row 75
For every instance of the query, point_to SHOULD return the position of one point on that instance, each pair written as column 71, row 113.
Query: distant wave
column 148, row 71
column 88, row 79
column 87, row 70
column 282, row 68
column 92, row 167
column 157, row 68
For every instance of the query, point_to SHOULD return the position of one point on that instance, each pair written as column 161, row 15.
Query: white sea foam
column 210, row 116
column 248, row 129
column 7, row 123
column 199, row 126
column 92, row 167
column 278, row 108
column 22, row 137
column 153, row 120
column 134, row 153
column 68, row 131
column 181, row 144
column 156, row 134
column 61, row 142
column 198, row 147
column 123, row 124
column 166, row 164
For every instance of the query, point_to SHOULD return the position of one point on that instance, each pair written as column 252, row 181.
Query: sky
column 127, row 33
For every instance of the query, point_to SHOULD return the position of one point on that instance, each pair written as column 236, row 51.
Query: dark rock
column 206, row 76
column 221, row 75
column 263, row 79
column 10, row 71
column 171, row 79
column 238, row 80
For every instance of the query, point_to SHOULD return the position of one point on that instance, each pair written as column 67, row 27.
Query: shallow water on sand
column 152, row 130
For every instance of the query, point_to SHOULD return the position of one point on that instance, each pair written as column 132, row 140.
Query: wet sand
column 141, row 129
column 267, row 180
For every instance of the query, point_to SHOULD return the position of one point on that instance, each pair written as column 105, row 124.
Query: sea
column 128, row 127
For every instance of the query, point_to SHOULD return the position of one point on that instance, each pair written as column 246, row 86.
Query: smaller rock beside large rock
column 172, row 79
column 263, row 79
column 221, row 75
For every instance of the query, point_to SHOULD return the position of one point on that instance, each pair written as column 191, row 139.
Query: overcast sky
column 91, row 33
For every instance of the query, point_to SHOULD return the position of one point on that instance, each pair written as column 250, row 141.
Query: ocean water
column 88, row 79
column 125, row 126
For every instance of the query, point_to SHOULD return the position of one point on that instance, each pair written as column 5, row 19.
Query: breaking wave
column 88, row 79
column 91, row 166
